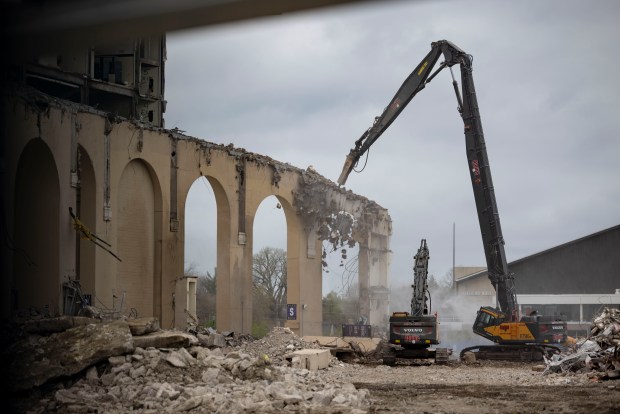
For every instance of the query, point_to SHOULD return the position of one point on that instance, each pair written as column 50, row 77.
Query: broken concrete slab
column 213, row 340
column 165, row 339
column 180, row 358
column 312, row 359
column 143, row 326
column 35, row 360
column 365, row 344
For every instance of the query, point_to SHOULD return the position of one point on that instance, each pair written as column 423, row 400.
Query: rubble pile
column 278, row 345
column 189, row 376
column 598, row 355
column 210, row 337
column 153, row 380
column 606, row 328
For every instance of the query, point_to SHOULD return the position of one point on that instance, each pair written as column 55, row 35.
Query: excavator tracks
column 441, row 356
column 526, row 352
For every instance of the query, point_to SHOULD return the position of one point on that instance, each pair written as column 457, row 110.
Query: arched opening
column 36, row 281
column 201, row 247
column 269, row 266
column 340, row 275
column 135, row 283
column 85, row 210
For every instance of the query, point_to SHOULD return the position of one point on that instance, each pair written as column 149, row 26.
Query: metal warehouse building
column 573, row 281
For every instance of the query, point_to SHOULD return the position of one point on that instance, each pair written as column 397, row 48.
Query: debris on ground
column 138, row 367
column 171, row 371
column 598, row 356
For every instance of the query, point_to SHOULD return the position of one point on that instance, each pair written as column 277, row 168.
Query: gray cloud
column 302, row 88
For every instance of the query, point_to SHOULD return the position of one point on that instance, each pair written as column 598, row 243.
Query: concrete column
column 234, row 286
column 185, row 302
column 305, row 278
column 364, row 279
column 379, row 270
column 374, row 268
column 312, row 292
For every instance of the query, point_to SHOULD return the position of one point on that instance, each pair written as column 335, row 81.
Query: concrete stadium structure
column 128, row 183
column 126, row 178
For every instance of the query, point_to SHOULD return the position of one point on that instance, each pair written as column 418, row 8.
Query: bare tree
column 269, row 274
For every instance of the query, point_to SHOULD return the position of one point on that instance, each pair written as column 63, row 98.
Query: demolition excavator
column 412, row 334
column 526, row 338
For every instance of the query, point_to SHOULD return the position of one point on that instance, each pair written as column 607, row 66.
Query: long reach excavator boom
column 491, row 323
column 478, row 161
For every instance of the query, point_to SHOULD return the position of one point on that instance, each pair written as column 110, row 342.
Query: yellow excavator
column 521, row 338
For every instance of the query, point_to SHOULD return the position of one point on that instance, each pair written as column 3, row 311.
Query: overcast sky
column 301, row 88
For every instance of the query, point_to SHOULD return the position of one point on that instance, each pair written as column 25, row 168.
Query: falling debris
column 599, row 355
column 339, row 217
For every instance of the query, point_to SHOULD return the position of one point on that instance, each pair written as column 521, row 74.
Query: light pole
column 453, row 255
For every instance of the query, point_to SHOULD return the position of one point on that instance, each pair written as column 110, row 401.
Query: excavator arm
column 478, row 162
column 416, row 81
column 421, row 297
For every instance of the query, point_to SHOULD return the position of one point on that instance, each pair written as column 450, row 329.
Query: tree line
column 269, row 276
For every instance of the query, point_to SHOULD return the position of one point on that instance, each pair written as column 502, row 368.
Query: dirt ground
column 483, row 387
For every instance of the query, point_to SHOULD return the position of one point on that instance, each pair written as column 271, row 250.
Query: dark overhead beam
column 36, row 27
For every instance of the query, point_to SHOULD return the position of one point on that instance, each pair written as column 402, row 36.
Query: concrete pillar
column 374, row 268
column 234, row 284
column 379, row 270
column 364, row 279
column 305, row 281
column 185, row 302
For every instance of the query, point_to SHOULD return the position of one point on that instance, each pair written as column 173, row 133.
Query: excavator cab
column 485, row 318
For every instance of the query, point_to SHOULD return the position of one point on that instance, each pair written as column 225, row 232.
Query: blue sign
column 291, row 311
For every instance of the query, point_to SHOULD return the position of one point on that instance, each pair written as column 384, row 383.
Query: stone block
column 143, row 326
column 313, row 359
column 165, row 339
column 33, row 361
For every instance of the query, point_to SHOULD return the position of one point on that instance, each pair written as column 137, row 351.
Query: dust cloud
column 456, row 315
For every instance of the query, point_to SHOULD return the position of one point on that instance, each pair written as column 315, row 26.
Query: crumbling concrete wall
column 128, row 184
column 344, row 220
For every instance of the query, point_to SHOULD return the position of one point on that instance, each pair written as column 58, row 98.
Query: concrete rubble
column 171, row 371
column 598, row 356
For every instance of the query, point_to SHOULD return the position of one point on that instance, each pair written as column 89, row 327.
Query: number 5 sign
column 291, row 311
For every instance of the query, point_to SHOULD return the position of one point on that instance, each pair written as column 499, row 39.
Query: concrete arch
column 222, row 246
column 139, row 205
column 267, row 222
column 120, row 176
column 226, row 300
column 304, row 275
column 201, row 195
column 36, row 276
